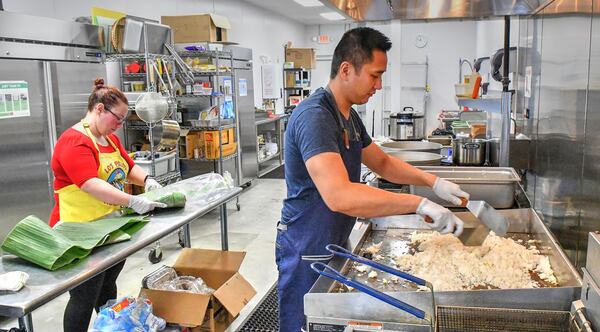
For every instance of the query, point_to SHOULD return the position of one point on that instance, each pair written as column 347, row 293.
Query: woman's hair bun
column 99, row 83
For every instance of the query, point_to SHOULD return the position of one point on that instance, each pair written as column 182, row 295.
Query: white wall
column 447, row 42
column 252, row 27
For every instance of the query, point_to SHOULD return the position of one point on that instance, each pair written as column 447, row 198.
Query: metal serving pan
column 418, row 158
column 495, row 185
column 411, row 146
column 323, row 305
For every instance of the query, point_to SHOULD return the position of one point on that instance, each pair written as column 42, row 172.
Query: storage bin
column 164, row 164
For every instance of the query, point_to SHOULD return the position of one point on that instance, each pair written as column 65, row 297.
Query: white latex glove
column 449, row 191
column 151, row 184
column 442, row 219
column 142, row 205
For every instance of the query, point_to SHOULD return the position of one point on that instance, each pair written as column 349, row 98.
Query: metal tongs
column 331, row 273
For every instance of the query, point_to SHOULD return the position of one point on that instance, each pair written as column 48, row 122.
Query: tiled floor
column 252, row 230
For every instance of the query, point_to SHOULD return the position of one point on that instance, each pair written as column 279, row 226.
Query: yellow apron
column 76, row 205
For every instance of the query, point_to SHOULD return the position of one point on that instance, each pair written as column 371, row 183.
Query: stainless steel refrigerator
column 245, row 120
column 53, row 63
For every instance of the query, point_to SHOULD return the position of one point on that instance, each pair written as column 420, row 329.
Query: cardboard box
column 290, row 79
column 219, row 269
column 188, row 141
column 198, row 28
column 211, row 141
column 301, row 57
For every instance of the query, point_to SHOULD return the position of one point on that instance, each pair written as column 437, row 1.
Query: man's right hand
column 443, row 220
column 142, row 205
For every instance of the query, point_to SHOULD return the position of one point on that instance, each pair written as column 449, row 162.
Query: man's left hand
column 449, row 191
column 151, row 184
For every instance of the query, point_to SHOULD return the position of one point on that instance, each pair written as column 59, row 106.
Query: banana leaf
column 172, row 199
column 52, row 248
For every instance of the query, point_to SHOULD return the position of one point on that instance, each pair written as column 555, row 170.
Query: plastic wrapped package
column 204, row 188
column 128, row 315
column 187, row 284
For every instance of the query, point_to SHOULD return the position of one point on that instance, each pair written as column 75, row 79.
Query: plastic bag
column 128, row 315
column 186, row 284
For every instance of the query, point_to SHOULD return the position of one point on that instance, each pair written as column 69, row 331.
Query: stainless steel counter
column 43, row 285
column 269, row 120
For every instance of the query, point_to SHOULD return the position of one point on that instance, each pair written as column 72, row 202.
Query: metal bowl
column 431, row 147
column 417, row 158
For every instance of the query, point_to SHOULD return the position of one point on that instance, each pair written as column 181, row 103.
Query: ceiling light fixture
column 333, row 16
column 309, row 3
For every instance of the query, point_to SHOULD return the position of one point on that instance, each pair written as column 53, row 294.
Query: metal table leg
column 224, row 238
column 187, row 241
column 26, row 323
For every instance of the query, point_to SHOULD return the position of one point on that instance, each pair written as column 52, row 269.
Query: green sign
column 14, row 99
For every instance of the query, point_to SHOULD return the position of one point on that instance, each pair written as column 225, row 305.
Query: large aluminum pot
column 417, row 158
column 431, row 147
column 468, row 151
column 165, row 135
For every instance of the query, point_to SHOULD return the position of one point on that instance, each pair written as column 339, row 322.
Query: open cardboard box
column 219, row 269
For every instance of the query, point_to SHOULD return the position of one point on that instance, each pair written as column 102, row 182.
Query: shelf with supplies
column 136, row 56
column 297, row 88
column 260, row 161
column 269, row 120
column 193, row 96
column 295, row 69
column 296, row 81
column 231, row 156
column 166, row 178
column 209, row 74
column 270, row 136
column 217, row 127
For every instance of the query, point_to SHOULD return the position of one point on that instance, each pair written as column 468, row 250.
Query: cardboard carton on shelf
column 205, row 312
column 301, row 57
column 198, row 28
column 211, row 141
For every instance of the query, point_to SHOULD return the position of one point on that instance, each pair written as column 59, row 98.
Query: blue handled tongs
column 331, row 273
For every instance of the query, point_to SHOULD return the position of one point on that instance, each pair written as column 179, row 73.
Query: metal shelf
column 221, row 54
column 269, row 157
column 269, row 120
column 211, row 73
column 202, row 96
column 295, row 69
column 132, row 75
column 297, row 88
column 484, row 104
column 231, row 156
column 222, row 127
column 119, row 56
column 173, row 175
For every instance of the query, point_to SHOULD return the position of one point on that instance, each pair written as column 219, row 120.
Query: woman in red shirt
column 90, row 168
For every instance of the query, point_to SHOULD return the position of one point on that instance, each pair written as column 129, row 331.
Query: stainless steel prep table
column 43, row 285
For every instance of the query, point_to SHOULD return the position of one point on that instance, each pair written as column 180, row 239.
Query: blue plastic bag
column 128, row 315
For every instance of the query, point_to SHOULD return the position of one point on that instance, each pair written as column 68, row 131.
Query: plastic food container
column 138, row 86
column 462, row 90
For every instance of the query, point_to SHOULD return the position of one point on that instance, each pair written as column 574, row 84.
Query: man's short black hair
column 356, row 46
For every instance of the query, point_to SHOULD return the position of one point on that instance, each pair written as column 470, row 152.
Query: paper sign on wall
column 14, row 99
column 243, row 87
column 270, row 87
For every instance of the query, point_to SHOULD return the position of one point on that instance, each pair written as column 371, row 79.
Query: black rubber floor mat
column 265, row 317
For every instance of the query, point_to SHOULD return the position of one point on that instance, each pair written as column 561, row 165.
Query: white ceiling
column 297, row 12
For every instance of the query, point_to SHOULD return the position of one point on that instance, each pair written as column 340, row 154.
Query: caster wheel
column 155, row 256
column 238, row 206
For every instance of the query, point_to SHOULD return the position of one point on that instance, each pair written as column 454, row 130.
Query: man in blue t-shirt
column 325, row 143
